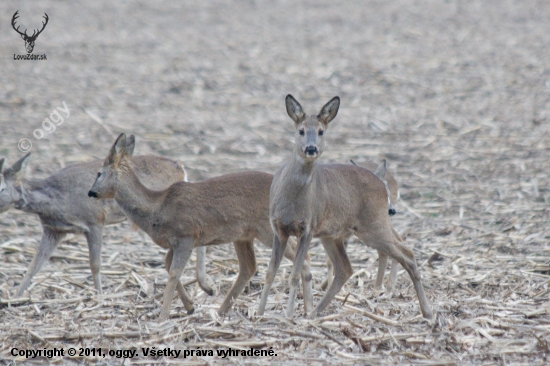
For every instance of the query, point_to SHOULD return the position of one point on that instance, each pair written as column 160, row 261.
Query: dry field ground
column 454, row 94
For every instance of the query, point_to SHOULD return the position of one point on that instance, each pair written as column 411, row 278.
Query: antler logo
column 29, row 40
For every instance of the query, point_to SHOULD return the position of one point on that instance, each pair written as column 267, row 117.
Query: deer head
column 310, row 130
column 11, row 193
column 107, row 178
column 29, row 40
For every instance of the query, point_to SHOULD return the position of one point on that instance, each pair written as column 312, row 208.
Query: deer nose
column 311, row 150
column 92, row 194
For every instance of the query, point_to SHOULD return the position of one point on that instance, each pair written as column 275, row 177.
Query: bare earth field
column 455, row 95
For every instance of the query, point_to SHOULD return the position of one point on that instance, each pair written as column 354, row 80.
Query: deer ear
column 2, row 164
column 329, row 111
column 381, row 170
column 119, row 144
column 294, row 109
column 18, row 168
column 116, row 150
column 23, row 36
column 130, row 145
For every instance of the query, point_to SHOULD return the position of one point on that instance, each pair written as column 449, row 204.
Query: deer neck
column 302, row 171
column 138, row 202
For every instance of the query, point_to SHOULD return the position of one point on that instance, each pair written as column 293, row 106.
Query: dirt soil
column 455, row 95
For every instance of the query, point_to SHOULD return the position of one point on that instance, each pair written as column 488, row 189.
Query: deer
column 229, row 208
column 58, row 202
column 29, row 40
column 332, row 202
column 392, row 190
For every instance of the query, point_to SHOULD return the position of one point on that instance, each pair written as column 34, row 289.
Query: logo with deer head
column 29, row 40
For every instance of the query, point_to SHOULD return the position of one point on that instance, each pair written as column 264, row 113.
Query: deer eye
column 302, row 132
column 321, row 132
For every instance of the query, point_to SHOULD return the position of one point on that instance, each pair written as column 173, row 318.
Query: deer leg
column 336, row 251
column 382, row 265
column 277, row 252
column 247, row 268
column 405, row 256
column 94, row 237
column 301, row 253
column 47, row 245
column 183, row 295
column 290, row 253
column 393, row 274
column 394, row 263
column 330, row 275
column 205, row 281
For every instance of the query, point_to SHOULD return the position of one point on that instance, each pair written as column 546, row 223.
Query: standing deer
column 61, row 204
column 230, row 208
column 331, row 202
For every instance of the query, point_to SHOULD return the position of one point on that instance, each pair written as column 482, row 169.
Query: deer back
column 61, row 199
column 393, row 187
column 215, row 211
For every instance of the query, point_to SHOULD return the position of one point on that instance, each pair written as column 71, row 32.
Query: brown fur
column 393, row 192
column 331, row 202
column 231, row 208
column 60, row 202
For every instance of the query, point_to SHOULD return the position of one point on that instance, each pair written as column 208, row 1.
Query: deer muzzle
column 92, row 194
column 311, row 151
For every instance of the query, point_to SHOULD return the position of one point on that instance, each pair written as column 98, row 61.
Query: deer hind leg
column 394, row 263
column 336, row 251
column 48, row 243
column 94, row 237
column 277, row 252
column 382, row 265
column 393, row 274
column 388, row 243
column 247, row 268
column 182, row 294
column 330, row 275
column 205, row 281
column 294, row 280
column 330, row 272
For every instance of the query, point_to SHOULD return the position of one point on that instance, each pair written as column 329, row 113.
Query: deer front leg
column 48, row 243
column 247, row 268
column 278, row 249
column 301, row 253
column 205, row 281
column 94, row 237
column 183, row 295
column 336, row 251
column 181, row 252
column 307, row 286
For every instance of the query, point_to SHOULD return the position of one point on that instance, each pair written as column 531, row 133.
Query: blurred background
column 454, row 94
